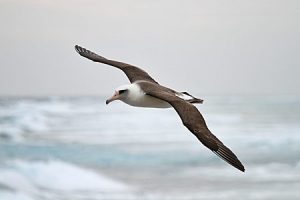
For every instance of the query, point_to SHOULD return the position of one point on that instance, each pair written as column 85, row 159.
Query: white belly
column 146, row 101
column 137, row 97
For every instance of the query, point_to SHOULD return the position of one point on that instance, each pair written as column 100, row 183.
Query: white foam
column 276, row 172
column 87, row 120
column 16, row 180
column 15, row 196
column 28, row 177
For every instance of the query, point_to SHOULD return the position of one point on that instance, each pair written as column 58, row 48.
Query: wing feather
column 133, row 73
column 195, row 122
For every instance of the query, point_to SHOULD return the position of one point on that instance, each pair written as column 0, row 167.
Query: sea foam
column 40, row 177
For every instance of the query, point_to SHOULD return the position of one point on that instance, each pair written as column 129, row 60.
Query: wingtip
column 228, row 156
column 77, row 48
column 89, row 54
column 81, row 50
column 241, row 168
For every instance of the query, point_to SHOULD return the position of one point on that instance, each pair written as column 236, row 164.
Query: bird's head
column 120, row 94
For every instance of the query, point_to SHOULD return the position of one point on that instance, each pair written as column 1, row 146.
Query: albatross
column 144, row 91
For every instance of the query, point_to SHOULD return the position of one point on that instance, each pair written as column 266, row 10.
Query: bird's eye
column 122, row 91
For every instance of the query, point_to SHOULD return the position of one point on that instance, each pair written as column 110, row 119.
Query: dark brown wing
column 195, row 122
column 133, row 73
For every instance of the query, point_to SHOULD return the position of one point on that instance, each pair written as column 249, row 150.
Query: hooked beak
column 116, row 96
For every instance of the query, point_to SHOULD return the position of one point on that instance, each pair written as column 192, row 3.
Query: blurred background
column 58, row 139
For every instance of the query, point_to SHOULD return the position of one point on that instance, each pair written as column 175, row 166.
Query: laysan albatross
column 144, row 91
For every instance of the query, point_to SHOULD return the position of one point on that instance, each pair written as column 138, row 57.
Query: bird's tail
column 189, row 98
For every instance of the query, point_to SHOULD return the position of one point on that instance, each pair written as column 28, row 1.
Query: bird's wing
column 133, row 73
column 195, row 122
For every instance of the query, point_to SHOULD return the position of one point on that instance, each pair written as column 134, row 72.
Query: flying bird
column 144, row 91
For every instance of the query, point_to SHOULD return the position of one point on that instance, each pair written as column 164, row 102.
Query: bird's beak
column 116, row 96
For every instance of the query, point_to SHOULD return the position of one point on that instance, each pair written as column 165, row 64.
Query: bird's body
column 138, row 98
column 144, row 91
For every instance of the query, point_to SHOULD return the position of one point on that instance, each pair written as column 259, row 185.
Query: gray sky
column 205, row 47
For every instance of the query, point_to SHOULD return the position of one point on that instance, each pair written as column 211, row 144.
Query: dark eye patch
column 122, row 91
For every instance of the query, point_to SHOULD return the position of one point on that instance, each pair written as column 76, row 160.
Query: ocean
column 78, row 148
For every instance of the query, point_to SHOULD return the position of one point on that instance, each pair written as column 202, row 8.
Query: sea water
column 78, row 148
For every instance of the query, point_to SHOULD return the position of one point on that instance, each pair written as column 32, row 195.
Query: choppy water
column 79, row 148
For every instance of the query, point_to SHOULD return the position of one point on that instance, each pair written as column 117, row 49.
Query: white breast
column 137, row 97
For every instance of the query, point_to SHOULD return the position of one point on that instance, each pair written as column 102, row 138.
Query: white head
column 121, row 93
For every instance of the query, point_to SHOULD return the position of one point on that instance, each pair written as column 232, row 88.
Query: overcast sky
column 205, row 47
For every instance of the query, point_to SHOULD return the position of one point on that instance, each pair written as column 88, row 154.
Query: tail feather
column 189, row 98
column 195, row 100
